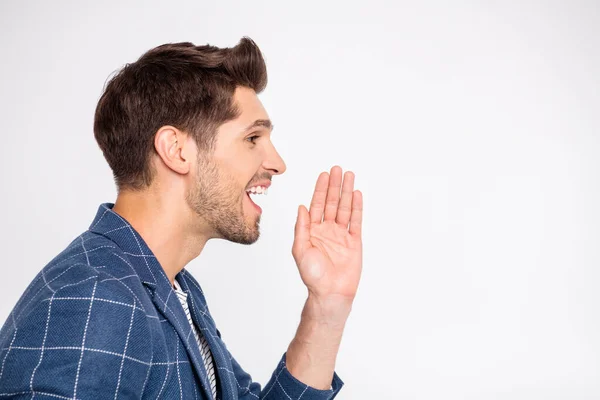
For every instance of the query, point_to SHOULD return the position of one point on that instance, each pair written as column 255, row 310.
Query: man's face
column 244, row 157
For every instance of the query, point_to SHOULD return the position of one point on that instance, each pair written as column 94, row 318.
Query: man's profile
column 116, row 314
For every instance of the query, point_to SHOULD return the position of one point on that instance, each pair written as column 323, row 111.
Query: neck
column 166, row 226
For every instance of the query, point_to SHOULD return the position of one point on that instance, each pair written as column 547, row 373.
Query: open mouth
column 254, row 192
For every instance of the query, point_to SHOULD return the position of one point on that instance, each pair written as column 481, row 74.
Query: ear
column 173, row 148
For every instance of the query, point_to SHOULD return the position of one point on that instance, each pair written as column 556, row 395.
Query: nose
column 273, row 162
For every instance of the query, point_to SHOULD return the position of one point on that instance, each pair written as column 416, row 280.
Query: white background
column 473, row 131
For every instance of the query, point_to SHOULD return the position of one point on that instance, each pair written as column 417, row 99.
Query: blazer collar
column 141, row 259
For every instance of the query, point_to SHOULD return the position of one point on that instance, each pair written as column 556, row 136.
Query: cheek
column 241, row 164
column 246, row 167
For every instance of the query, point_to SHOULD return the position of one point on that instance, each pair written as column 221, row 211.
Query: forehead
column 250, row 109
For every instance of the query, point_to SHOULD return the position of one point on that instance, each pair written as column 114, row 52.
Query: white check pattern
column 102, row 321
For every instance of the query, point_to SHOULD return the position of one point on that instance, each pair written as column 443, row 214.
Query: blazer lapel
column 146, row 266
column 204, row 321
column 168, row 304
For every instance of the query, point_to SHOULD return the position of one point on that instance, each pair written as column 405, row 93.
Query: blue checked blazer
column 101, row 321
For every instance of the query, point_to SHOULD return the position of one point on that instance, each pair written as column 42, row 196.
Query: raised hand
column 328, row 244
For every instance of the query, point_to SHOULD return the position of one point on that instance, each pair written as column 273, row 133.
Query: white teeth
column 258, row 190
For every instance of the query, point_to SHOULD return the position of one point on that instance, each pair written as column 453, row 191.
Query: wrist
column 331, row 310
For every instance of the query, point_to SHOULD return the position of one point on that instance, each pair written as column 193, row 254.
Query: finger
column 333, row 194
column 317, row 204
column 345, row 207
column 301, row 232
column 357, row 210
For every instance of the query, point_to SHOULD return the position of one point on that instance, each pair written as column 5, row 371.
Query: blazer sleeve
column 281, row 386
column 87, row 339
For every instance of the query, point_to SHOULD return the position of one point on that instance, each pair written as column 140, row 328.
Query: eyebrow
column 266, row 123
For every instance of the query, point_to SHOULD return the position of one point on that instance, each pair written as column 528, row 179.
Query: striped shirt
column 204, row 348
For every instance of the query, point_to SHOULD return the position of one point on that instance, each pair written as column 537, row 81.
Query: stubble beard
column 217, row 199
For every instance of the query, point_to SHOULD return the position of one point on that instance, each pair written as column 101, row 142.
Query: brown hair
column 189, row 87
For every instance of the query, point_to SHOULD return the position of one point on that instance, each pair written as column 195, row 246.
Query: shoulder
column 91, row 270
column 78, row 304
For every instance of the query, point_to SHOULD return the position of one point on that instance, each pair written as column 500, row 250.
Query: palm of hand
column 328, row 244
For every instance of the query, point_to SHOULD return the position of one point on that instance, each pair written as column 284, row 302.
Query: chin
column 248, row 238
column 245, row 233
column 252, row 234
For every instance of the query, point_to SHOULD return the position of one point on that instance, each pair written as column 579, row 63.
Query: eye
column 252, row 139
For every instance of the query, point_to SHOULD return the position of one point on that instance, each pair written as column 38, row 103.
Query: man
column 116, row 314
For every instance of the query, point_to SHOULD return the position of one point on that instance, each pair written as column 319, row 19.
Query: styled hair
column 179, row 84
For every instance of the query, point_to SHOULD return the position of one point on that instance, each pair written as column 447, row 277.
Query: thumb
column 301, row 232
